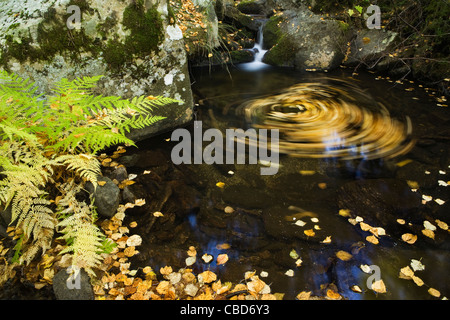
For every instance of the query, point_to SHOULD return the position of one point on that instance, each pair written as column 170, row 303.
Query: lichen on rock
column 134, row 45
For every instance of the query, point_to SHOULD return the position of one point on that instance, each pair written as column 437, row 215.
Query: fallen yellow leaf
column 220, row 184
column 409, row 238
column 166, row 270
column 222, row 258
column 309, row 232
column 417, row 281
column 434, row 292
column 223, row 246
column 428, row 233
column 304, row 295
column 343, row 255
column 379, row 286
column 207, row 276
column 192, row 252
column 372, row 239
column 333, row 295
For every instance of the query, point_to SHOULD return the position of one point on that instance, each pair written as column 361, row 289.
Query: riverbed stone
column 380, row 202
column 304, row 40
column 368, row 45
column 79, row 288
column 37, row 43
column 106, row 197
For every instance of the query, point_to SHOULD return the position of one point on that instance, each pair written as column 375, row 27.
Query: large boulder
column 299, row 38
column 136, row 45
column 369, row 45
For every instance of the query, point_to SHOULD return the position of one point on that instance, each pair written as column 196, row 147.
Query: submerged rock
column 380, row 201
column 133, row 44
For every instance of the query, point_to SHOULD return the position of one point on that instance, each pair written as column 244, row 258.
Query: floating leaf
column 441, row 224
column 289, row 273
column 434, row 292
column 428, row 233
column 207, row 258
column 417, row 265
column 343, row 255
column 249, row 274
column 309, row 232
column 428, row 225
column 157, row 214
column 372, row 239
column 228, row 209
column 220, row 184
column 190, row 260
column 300, row 223
column 409, row 238
column 192, row 252
column 223, row 246
column 406, row 273
column 222, row 258
column 333, row 295
column 344, row 213
column 304, row 295
column 134, row 241
column 379, row 286
column 327, row 240
column 307, row 172
column 366, row 268
column 417, row 281
column 356, row 289
column 293, row 254
column 364, row 226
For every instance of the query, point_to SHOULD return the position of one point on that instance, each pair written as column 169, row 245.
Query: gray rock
column 41, row 47
column 106, row 197
column 76, row 288
column 369, row 45
column 305, row 40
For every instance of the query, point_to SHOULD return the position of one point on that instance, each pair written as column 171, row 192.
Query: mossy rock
column 250, row 7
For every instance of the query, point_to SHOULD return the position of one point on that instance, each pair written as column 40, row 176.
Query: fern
column 87, row 166
column 84, row 238
column 47, row 140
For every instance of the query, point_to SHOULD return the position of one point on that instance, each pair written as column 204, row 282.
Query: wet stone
column 380, row 201
column 246, row 197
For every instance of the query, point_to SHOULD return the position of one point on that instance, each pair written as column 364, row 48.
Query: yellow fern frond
column 87, row 166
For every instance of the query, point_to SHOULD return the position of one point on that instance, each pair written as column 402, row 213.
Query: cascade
column 259, row 51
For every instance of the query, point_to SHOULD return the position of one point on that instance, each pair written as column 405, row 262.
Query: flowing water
column 294, row 214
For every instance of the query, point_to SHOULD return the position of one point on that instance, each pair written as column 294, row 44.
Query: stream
column 233, row 209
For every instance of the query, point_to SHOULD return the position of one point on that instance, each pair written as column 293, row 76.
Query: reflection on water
column 261, row 230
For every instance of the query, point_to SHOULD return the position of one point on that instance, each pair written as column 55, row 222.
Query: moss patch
column 282, row 54
column 146, row 28
column 53, row 38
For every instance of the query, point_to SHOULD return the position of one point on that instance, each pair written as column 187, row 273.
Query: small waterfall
column 258, row 47
column 259, row 51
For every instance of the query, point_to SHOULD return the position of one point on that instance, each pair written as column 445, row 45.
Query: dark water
column 257, row 232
